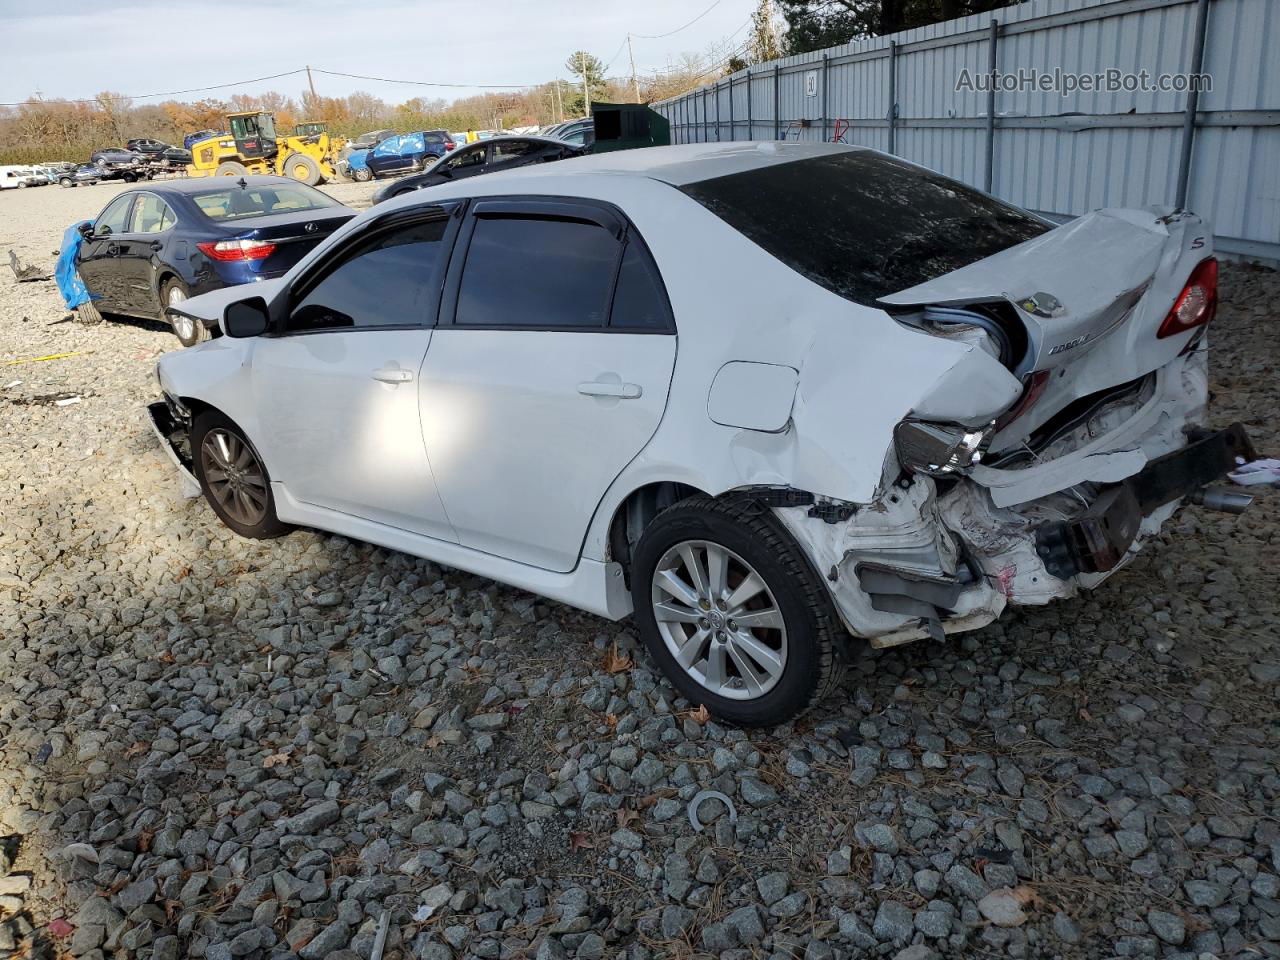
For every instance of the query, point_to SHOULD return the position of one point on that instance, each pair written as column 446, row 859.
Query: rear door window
column 864, row 225
column 538, row 272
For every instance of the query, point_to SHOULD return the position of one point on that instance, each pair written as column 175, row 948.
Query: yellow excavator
column 254, row 147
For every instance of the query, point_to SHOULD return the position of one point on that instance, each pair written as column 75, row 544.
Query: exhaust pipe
column 1220, row 498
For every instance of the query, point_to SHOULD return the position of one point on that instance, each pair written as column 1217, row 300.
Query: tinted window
column 864, row 225
column 434, row 137
column 466, row 158
column 509, row 150
column 537, row 273
column 392, row 280
column 236, row 203
column 116, row 215
column 639, row 301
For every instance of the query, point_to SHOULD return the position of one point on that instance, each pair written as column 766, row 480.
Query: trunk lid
column 294, row 234
column 1086, row 299
column 1075, row 285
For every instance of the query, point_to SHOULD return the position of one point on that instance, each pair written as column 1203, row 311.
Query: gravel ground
column 212, row 747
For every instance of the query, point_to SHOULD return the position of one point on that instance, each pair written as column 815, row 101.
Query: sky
column 73, row 49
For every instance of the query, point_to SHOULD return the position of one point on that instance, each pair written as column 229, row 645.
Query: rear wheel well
column 637, row 511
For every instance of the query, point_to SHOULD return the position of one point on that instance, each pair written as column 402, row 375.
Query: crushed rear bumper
column 1097, row 540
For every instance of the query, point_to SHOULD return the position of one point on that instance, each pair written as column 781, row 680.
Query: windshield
column 864, row 225
column 239, row 203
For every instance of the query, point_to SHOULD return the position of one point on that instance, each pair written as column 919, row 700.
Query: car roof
column 683, row 164
column 200, row 184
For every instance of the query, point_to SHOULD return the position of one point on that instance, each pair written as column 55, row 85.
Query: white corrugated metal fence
column 1061, row 155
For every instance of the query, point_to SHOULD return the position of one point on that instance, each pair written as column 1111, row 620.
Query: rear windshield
column 238, row 203
column 864, row 225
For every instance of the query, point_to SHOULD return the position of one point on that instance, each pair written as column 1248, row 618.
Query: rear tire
column 233, row 477
column 188, row 330
column 66, row 182
column 230, row 168
column 753, row 657
column 303, row 169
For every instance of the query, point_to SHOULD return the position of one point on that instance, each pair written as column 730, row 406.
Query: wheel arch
column 637, row 510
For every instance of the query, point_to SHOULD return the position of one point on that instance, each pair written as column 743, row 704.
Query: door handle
column 156, row 245
column 113, row 250
column 603, row 388
column 393, row 375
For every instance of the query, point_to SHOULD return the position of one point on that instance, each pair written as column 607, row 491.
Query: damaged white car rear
column 775, row 399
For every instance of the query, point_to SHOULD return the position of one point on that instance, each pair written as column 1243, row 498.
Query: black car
column 174, row 156
column 147, row 146
column 155, row 246
column 85, row 173
column 485, row 156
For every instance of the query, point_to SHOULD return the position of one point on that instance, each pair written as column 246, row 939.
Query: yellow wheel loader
column 254, row 147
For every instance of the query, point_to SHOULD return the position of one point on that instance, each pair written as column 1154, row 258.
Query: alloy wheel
column 234, row 475
column 184, row 327
column 719, row 620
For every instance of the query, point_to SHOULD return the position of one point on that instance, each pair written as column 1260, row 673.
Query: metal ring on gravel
column 709, row 795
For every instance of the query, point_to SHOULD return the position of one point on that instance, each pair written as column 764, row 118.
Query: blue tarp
column 68, row 278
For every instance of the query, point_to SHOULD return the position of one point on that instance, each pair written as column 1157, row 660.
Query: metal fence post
column 751, row 124
column 777, row 121
column 733, row 131
column 1193, row 101
column 989, row 175
column 893, row 103
column 718, row 137
column 824, row 98
column 706, row 118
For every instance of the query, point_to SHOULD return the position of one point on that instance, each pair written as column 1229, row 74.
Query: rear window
column 864, row 225
column 239, row 203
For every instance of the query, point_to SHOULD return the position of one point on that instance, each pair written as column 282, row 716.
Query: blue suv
column 401, row 153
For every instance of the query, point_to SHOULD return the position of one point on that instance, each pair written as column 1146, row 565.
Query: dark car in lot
column 146, row 146
column 83, row 174
column 400, row 153
column 155, row 246
column 486, row 156
column 115, row 157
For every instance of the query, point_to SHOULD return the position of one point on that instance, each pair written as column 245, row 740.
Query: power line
column 428, row 83
column 170, row 93
column 670, row 33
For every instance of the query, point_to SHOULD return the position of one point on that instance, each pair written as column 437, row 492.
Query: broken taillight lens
column 1033, row 388
column 230, row 250
column 1196, row 304
column 938, row 449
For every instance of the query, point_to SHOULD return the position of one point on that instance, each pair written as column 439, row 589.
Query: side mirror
column 86, row 229
column 445, row 171
column 246, row 318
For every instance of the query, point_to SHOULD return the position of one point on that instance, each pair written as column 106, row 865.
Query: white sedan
column 767, row 397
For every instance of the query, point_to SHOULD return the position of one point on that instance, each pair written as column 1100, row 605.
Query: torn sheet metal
column 26, row 273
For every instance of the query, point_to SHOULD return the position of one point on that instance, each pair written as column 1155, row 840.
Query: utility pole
column 586, row 87
column 559, row 102
column 635, row 85
column 312, row 84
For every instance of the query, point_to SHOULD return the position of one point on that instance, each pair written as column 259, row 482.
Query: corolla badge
column 1042, row 305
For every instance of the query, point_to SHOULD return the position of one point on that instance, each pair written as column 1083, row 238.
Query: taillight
column 227, row 250
column 449, row 145
column 1031, row 392
column 1196, row 304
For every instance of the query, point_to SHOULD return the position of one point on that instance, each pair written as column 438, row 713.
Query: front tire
column 230, row 168
column 363, row 175
column 188, row 330
column 303, row 169
column 233, row 477
column 734, row 613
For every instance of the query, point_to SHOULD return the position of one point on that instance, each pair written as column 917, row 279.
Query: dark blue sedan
column 155, row 246
column 404, row 153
